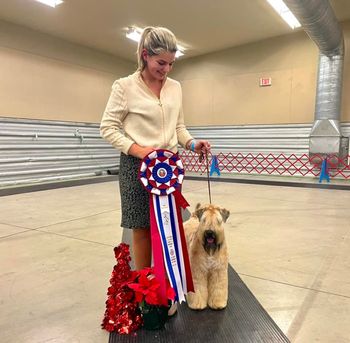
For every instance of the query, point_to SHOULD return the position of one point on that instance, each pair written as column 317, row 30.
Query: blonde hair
column 155, row 40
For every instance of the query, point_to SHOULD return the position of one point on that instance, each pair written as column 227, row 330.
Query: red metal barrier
column 286, row 165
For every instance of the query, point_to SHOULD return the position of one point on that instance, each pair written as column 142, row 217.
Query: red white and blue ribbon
column 162, row 173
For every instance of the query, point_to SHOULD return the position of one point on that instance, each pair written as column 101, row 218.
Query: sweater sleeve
column 183, row 136
column 111, row 128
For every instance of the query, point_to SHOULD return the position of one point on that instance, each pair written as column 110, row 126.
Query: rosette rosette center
column 161, row 172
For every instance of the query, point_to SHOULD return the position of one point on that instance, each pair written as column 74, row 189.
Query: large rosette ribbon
column 162, row 173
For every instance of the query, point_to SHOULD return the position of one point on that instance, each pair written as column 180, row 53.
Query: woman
column 144, row 113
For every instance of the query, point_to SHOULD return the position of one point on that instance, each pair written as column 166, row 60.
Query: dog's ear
column 199, row 211
column 224, row 214
column 198, row 206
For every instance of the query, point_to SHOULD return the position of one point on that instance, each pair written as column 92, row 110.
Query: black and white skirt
column 134, row 198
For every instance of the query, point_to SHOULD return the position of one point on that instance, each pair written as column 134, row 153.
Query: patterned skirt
column 134, row 198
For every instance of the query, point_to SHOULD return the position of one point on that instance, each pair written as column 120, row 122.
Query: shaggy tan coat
column 209, row 261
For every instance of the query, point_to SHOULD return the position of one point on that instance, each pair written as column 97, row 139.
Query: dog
column 208, row 257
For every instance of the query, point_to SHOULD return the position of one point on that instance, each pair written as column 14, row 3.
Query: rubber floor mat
column 243, row 321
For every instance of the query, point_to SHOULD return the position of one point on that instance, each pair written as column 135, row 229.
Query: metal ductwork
column 319, row 22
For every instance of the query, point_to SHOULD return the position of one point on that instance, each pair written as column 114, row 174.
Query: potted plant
column 133, row 298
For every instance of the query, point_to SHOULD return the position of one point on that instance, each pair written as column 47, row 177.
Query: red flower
column 128, row 290
column 146, row 288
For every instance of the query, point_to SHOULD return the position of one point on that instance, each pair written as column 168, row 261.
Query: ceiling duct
column 319, row 22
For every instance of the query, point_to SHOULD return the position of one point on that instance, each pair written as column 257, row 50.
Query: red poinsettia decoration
column 130, row 290
column 147, row 286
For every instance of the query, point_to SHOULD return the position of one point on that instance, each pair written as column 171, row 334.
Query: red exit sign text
column 265, row 81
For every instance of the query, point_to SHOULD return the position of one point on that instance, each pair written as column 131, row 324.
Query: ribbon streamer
column 162, row 173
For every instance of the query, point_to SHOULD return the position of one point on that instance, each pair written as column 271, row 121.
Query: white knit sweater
column 134, row 114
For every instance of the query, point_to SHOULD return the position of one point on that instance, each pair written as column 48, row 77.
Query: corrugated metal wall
column 34, row 151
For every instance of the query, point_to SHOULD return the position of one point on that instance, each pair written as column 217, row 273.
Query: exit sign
column 265, row 81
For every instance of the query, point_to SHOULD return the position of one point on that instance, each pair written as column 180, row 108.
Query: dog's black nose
column 209, row 234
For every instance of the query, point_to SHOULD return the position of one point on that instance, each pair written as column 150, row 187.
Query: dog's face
column 210, row 229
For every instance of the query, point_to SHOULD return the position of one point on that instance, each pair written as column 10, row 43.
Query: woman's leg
column 142, row 248
column 141, row 241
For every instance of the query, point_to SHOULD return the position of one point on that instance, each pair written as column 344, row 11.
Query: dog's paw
column 217, row 304
column 197, row 306
column 195, row 302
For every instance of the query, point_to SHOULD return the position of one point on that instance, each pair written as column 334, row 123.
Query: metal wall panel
column 35, row 151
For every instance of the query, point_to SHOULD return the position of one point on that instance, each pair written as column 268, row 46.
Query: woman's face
column 160, row 65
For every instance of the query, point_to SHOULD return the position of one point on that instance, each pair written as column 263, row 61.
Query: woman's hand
column 140, row 151
column 202, row 147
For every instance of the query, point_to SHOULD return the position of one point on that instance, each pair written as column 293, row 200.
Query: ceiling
column 201, row 26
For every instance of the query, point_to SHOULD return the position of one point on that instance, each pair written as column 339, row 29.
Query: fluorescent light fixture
column 134, row 33
column 51, row 3
column 281, row 8
column 179, row 52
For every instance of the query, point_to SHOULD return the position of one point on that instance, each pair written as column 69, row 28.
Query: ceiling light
column 179, row 52
column 134, row 33
column 281, row 8
column 51, row 3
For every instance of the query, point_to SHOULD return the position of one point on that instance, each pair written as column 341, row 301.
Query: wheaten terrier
column 208, row 257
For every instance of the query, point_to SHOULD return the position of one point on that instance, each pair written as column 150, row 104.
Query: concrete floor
column 289, row 245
